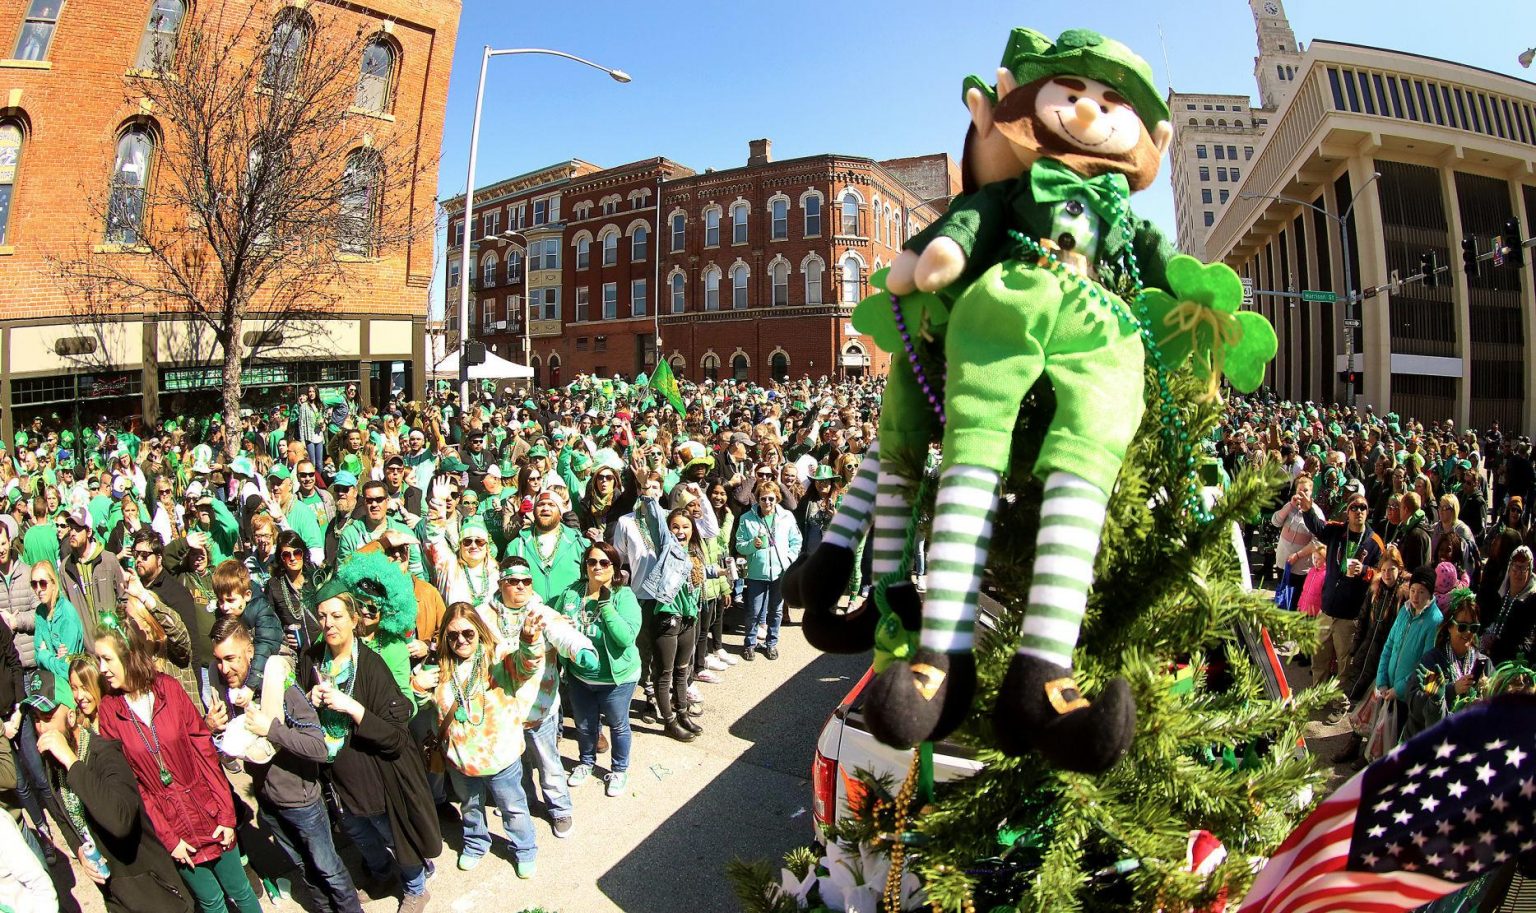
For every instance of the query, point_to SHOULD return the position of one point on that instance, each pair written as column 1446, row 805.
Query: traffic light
column 474, row 353
column 1514, row 249
column 1469, row 255
column 1428, row 267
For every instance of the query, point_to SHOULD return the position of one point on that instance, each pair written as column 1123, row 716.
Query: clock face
column 1272, row 9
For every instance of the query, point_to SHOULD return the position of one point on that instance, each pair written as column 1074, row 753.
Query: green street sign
column 1323, row 297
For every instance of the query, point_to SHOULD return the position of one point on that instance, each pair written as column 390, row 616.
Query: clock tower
column 1278, row 65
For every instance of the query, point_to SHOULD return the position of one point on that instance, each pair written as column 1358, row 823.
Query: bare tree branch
column 270, row 192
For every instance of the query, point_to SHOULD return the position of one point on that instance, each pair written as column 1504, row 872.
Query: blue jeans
column 316, row 453
column 506, row 790
column 304, row 834
column 31, row 780
column 543, row 752
column 588, row 704
column 374, row 840
column 765, row 605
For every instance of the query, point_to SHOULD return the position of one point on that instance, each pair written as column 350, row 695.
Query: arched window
column 679, row 232
column 712, row 227
column 679, row 301
column 130, row 184
column 712, row 288
column 285, row 50
column 778, row 366
column 10, row 163
column 378, row 70
column 538, row 371
column 739, row 366
column 813, row 268
column 779, row 214
column 1194, row 121
column 610, row 248
column 739, row 223
column 850, row 214
column 780, row 273
column 813, row 215
column 853, row 280
column 514, row 266
column 709, row 366
column 37, row 29
column 583, row 252
column 488, row 270
column 679, row 365
column 158, row 47
column 360, row 202
column 637, row 244
column 739, row 286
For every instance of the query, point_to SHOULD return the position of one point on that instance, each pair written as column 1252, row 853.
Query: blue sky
column 879, row 80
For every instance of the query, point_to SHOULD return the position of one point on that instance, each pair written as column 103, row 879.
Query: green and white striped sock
column 1071, row 524
column 852, row 518
column 962, row 534
column 893, row 513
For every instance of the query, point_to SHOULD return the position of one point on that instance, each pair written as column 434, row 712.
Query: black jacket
column 141, row 874
column 12, row 689
column 170, row 591
column 1343, row 596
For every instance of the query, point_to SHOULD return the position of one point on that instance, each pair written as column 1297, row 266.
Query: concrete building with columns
column 1431, row 152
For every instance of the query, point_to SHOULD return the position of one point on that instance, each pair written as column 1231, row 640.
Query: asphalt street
column 741, row 790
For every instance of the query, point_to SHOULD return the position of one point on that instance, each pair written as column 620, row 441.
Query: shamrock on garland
column 1201, row 319
column 872, row 316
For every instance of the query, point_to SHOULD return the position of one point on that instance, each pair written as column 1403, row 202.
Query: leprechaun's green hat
column 1031, row 56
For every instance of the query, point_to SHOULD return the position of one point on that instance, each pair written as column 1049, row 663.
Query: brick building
column 70, row 122
column 758, row 269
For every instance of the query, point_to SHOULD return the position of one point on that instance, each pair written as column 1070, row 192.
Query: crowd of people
column 1411, row 546
column 380, row 615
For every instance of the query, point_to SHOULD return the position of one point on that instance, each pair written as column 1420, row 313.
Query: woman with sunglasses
column 59, row 632
column 120, row 539
column 171, row 753
column 482, row 703
column 608, row 614
column 292, row 591
column 610, row 495
column 1453, row 673
column 470, row 574
column 375, row 766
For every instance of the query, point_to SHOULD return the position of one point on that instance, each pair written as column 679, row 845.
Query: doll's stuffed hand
column 941, row 263
column 899, row 280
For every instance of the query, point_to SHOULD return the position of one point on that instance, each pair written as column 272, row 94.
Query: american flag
column 1455, row 802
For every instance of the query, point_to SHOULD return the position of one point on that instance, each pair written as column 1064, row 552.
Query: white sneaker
column 714, row 664
column 724, row 657
column 694, row 697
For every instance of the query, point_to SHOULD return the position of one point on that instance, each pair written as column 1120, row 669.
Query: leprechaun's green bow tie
column 1053, row 182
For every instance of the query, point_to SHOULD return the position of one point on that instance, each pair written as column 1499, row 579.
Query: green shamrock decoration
column 873, row 316
column 1201, row 318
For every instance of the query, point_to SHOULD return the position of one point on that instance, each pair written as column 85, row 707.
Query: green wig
column 372, row 578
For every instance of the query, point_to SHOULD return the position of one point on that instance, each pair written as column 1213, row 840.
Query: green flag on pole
column 665, row 384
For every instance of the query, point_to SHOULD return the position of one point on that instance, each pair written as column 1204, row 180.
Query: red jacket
column 199, row 798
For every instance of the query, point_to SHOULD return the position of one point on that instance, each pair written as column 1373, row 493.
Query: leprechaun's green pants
column 1012, row 323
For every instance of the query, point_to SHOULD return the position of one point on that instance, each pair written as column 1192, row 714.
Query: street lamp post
column 469, row 197
column 1351, row 301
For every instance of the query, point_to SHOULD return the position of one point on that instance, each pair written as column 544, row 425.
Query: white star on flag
column 1456, row 789
column 1514, row 756
column 1429, row 803
column 1444, row 750
column 1485, row 773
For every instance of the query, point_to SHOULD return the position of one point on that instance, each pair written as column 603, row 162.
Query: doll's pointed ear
column 981, row 111
column 1006, row 82
column 1162, row 136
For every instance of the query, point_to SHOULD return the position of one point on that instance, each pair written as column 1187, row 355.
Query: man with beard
column 344, row 491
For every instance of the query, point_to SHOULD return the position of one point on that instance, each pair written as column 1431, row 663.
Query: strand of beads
column 1175, row 434
column 912, row 359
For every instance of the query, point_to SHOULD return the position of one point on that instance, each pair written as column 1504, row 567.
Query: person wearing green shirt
column 209, row 516
column 40, row 543
column 293, row 513
column 608, row 614
column 552, row 549
column 361, row 531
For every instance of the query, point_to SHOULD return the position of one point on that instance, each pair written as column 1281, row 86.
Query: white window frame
column 712, row 279
column 679, row 232
column 741, row 276
column 583, row 301
column 637, row 294
column 610, row 300
column 677, row 285
column 712, row 226
column 778, row 219
column 740, row 213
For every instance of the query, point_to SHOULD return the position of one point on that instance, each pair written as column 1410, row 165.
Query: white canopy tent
column 495, row 368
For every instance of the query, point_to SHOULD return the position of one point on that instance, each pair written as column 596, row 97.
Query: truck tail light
column 824, row 790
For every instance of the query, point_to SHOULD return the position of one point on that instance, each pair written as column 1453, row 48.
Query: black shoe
column 687, row 721
column 1040, row 709
column 818, row 583
column 749, row 654
column 649, row 713
column 921, row 701
column 678, row 731
column 771, row 652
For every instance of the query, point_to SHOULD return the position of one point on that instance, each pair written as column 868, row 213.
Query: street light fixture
column 1350, row 301
column 469, row 194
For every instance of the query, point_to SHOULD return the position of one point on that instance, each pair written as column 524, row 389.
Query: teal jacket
column 1410, row 638
column 781, row 542
column 60, row 628
column 564, row 567
column 613, row 625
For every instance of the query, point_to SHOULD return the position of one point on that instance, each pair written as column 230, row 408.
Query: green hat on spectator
column 538, row 450
column 279, row 472
column 451, row 464
column 472, row 526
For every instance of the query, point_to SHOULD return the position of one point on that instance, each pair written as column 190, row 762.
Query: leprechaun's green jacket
column 979, row 223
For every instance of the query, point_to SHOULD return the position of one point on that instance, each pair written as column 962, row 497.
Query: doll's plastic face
column 1089, row 115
